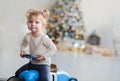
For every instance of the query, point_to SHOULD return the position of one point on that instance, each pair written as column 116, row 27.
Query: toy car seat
column 53, row 68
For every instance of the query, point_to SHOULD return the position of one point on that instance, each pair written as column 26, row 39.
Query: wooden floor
column 82, row 66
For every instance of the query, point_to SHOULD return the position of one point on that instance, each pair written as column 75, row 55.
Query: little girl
column 39, row 44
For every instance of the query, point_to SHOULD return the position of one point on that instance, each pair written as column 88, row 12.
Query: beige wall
column 104, row 17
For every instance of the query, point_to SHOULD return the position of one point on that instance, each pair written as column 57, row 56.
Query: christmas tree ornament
column 66, row 21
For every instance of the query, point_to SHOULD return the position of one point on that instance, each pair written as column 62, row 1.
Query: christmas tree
column 66, row 20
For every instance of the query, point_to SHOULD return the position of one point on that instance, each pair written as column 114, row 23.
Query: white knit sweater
column 40, row 45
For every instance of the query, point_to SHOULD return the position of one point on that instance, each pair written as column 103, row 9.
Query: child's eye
column 37, row 22
column 30, row 22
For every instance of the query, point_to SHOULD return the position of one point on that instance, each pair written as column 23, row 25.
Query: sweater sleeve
column 24, row 44
column 50, row 46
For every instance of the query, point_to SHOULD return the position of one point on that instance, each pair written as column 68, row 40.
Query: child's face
column 34, row 24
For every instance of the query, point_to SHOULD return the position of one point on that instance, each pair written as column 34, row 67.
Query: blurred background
column 87, row 37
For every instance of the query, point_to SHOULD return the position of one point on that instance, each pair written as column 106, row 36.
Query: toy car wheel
column 13, row 78
column 73, row 79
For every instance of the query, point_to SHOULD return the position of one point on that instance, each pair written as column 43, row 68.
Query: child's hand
column 22, row 53
column 40, row 57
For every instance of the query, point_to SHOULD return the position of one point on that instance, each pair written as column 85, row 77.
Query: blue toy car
column 33, row 75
